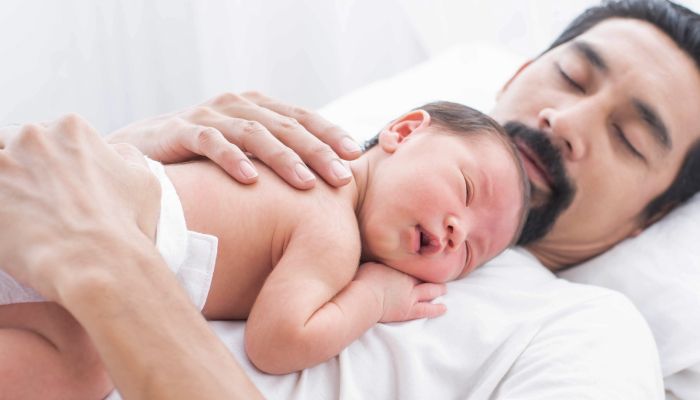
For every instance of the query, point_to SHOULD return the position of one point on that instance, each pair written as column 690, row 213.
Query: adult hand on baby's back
column 68, row 198
column 403, row 297
column 229, row 127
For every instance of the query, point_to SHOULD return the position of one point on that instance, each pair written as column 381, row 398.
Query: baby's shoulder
column 325, row 218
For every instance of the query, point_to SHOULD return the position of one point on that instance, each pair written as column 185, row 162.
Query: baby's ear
column 396, row 132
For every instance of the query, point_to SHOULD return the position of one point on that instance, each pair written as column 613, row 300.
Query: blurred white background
column 115, row 61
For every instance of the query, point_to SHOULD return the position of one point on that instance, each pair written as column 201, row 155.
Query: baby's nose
column 455, row 233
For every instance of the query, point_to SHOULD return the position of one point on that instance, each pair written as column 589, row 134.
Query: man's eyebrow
column 591, row 54
column 651, row 117
column 646, row 111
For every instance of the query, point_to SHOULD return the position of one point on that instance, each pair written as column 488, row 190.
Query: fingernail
column 339, row 170
column 350, row 145
column 303, row 173
column 247, row 169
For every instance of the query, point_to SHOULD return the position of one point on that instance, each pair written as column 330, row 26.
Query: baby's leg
column 46, row 354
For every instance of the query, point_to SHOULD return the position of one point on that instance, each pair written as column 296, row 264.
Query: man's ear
column 398, row 130
column 512, row 78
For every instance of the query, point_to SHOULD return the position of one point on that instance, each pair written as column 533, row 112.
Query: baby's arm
column 310, row 308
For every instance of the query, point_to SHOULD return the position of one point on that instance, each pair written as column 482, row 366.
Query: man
column 600, row 115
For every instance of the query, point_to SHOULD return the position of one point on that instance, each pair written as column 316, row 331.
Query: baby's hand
column 403, row 297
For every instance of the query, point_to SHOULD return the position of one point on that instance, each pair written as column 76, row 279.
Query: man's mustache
column 541, row 218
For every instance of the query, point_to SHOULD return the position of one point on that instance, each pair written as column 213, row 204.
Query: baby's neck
column 361, row 169
column 363, row 172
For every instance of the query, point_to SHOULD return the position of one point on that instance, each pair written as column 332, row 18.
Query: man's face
column 620, row 104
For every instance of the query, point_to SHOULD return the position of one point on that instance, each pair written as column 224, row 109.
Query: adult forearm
column 155, row 344
column 92, row 253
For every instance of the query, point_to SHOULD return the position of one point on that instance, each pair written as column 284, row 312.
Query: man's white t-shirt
column 512, row 331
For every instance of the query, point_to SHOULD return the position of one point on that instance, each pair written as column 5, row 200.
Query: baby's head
column 445, row 192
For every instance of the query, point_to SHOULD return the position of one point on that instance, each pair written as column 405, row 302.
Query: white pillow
column 470, row 74
column 659, row 270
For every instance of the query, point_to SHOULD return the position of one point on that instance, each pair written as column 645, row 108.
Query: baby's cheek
column 440, row 270
column 433, row 196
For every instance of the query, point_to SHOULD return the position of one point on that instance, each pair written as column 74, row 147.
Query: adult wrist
column 108, row 263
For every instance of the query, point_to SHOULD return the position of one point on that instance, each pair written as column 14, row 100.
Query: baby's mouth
column 428, row 243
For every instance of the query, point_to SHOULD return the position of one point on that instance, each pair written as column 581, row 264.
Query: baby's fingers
column 424, row 293
column 426, row 310
column 429, row 291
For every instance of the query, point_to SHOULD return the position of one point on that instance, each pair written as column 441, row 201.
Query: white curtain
column 114, row 61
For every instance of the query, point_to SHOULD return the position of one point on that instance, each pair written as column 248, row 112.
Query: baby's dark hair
column 459, row 119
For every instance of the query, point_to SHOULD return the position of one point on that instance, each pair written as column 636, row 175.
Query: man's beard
column 541, row 218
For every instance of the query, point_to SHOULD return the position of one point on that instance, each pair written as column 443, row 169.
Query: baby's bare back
column 254, row 224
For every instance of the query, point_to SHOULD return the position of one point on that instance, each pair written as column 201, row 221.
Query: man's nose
column 564, row 132
column 455, row 233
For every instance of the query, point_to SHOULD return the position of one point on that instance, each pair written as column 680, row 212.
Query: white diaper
column 190, row 255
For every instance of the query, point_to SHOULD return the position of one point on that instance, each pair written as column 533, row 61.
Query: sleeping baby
column 439, row 192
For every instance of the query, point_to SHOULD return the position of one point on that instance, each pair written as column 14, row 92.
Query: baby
column 441, row 192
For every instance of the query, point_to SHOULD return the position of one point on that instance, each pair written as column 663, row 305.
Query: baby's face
column 442, row 204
